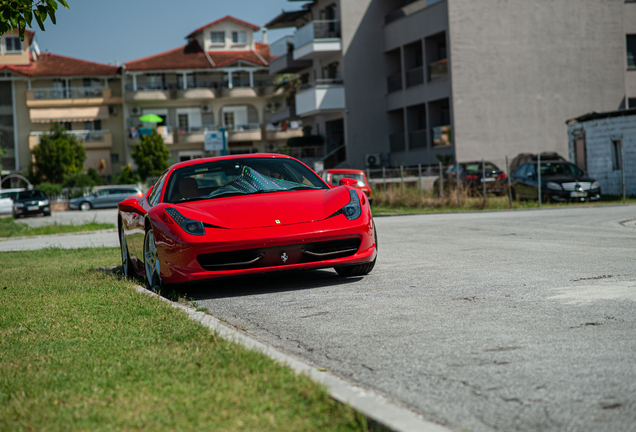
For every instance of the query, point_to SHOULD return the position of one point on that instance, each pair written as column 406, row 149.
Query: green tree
column 151, row 155
column 18, row 14
column 127, row 176
column 58, row 155
column 290, row 84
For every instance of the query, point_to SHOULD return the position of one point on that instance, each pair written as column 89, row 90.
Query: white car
column 7, row 196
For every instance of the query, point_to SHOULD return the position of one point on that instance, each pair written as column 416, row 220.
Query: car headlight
column 595, row 185
column 190, row 226
column 44, row 203
column 352, row 210
column 554, row 186
column 19, row 205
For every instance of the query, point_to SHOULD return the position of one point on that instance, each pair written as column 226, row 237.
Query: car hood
column 269, row 209
column 565, row 178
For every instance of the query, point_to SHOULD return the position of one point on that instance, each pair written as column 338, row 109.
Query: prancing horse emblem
column 284, row 257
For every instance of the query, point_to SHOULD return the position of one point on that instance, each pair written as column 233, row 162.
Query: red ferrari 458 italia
column 244, row 214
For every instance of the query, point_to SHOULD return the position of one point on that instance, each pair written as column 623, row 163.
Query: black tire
column 359, row 269
column 126, row 264
column 85, row 206
column 151, row 263
column 47, row 214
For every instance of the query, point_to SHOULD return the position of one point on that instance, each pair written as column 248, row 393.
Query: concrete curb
column 59, row 234
column 372, row 405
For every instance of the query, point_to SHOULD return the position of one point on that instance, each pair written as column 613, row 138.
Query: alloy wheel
column 151, row 261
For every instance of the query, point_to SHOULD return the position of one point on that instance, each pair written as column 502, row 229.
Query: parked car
column 471, row 177
column 31, row 202
column 244, row 215
column 104, row 197
column 333, row 176
column 560, row 181
column 7, row 197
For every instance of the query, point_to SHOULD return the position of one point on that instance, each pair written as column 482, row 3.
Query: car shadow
column 264, row 284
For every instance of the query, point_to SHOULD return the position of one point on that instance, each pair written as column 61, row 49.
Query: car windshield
column 335, row 178
column 31, row 194
column 244, row 176
column 560, row 168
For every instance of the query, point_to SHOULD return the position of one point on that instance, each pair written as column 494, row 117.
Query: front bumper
column 282, row 247
column 31, row 210
column 564, row 196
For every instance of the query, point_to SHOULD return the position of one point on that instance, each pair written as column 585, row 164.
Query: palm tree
column 290, row 83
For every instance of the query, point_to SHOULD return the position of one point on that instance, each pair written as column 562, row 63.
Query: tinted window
column 239, row 176
column 153, row 199
column 335, row 178
column 560, row 168
column 32, row 194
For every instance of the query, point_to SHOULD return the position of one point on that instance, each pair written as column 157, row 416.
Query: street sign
column 213, row 141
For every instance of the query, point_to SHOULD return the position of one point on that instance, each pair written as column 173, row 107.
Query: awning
column 75, row 114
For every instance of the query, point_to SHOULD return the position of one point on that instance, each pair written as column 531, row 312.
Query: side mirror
column 131, row 205
column 348, row 182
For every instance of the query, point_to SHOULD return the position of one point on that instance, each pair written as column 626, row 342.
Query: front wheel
column 151, row 262
column 360, row 269
column 125, row 257
column 85, row 206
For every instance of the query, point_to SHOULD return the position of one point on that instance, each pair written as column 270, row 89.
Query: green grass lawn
column 82, row 350
column 10, row 228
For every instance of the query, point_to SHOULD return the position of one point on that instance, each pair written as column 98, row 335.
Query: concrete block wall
column 599, row 135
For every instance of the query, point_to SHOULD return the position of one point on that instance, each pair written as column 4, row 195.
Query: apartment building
column 218, row 79
column 38, row 89
column 315, row 53
column 463, row 79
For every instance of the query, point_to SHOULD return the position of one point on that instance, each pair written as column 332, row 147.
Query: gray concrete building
column 473, row 80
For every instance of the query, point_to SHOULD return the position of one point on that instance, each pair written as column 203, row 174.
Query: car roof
column 12, row 190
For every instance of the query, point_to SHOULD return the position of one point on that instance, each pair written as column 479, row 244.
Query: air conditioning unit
column 206, row 108
column 112, row 110
column 135, row 111
column 372, row 160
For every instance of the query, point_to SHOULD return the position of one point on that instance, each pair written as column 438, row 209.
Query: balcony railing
column 196, row 129
column 417, row 139
column 323, row 82
column 323, row 29
column 68, row 93
column 243, row 127
column 415, row 76
column 438, row 69
column 84, row 135
column 394, row 82
column 397, row 142
column 282, row 46
column 149, row 87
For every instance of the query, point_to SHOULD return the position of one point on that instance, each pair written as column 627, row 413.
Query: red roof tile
column 228, row 17
column 54, row 65
column 191, row 56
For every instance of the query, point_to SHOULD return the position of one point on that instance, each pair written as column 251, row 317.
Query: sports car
column 241, row 215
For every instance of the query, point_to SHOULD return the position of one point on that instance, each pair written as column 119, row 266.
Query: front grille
column 571, row 186
column 279, row 255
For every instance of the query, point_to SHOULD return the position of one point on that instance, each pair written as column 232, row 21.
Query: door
column 579, row 153
column 235, row 118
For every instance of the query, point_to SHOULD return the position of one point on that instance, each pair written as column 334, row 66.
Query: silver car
column 108, row 196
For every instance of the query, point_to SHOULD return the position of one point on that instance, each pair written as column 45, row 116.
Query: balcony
column 397, row 142
column 92, row 139
column 394, row 82
column 147, row 92
column 316, row 39
column 280, row 134
column 72, row 96
column 442, row 136
column 411, row 7
column 165, row 131
column 244, row 132
column 288, row 113
column 326, row 95
column 192, row 134
column 415, row 76
column 417, row 139
column 198, row 90
column 438, row 69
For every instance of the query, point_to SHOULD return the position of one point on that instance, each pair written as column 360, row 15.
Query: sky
column 108, row 31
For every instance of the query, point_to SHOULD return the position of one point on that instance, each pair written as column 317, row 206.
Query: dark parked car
column 471, row 176
column 560, row 181
column 31, row 202
column 105, row 197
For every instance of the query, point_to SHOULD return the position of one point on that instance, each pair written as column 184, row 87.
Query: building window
column 67, row 126
column 183, row 122
column 12, row 44
column 217, row 38
column 616, row 155
column 154, row 81
column 114, row 158
column 631, row 51
column 239, row 37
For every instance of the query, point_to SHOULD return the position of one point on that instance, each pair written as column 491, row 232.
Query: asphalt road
column 509, row 321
